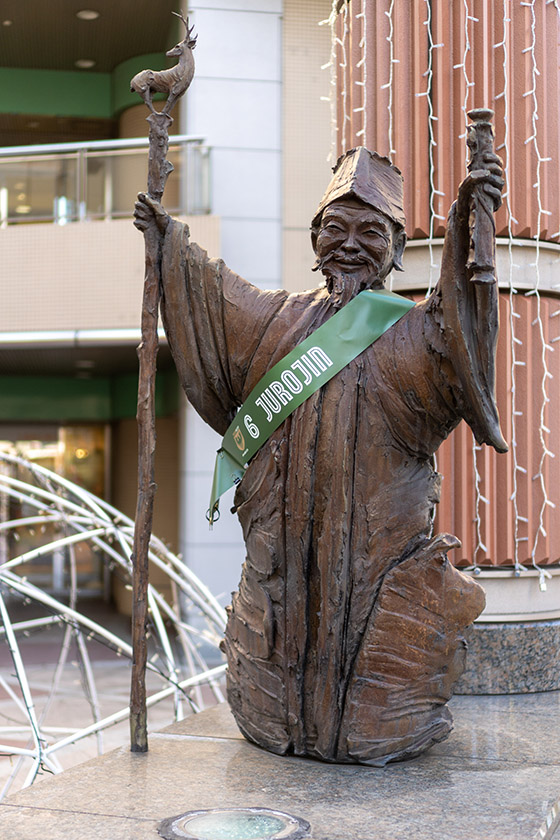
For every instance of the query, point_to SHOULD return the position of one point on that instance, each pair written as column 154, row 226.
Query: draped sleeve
column 437, row 364
column 214, row 321
column 469, row 313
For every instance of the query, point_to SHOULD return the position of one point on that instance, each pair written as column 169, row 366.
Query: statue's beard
column 345, row 282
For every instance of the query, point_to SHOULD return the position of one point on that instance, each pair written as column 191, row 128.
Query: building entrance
column 79, row 453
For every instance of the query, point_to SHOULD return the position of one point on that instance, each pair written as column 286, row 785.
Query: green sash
column 298, row 375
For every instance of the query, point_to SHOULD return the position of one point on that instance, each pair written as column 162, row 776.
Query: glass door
column 80, row 454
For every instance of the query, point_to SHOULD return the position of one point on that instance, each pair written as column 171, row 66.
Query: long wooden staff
column 175, row 81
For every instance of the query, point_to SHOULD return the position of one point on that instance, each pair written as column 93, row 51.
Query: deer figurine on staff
column 174, row 81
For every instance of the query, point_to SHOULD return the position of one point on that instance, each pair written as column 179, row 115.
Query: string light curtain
column 404, row 76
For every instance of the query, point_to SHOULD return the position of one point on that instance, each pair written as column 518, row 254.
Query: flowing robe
column 344, row 638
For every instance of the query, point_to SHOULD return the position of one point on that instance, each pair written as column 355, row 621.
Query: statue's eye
column 333, row 227
column 374, row 233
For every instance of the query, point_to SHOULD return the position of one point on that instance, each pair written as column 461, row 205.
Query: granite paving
column 496, row 778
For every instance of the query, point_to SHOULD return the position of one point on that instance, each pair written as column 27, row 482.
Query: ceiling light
column 7, row 22
column 85, row 63
column 87, row 14
column 23, row 208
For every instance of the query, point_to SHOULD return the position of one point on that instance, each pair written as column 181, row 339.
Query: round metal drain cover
column 234, row 824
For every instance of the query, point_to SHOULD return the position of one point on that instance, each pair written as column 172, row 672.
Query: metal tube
column 61, row 148
column 76, row 338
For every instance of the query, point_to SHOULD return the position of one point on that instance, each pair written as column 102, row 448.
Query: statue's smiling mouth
column 350, row 261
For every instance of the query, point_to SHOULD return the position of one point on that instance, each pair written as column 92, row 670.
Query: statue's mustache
column 323, row 263
column 340, row 282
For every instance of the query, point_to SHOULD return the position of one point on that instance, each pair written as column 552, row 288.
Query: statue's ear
column 398, row 249
column 314, row 234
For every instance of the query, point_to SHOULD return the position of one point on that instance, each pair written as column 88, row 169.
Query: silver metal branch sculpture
column 185, row 631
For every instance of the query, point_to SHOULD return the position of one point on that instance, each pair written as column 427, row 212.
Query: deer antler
column 189, row 36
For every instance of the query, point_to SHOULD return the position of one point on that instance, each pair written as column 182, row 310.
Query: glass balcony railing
column 78, row 182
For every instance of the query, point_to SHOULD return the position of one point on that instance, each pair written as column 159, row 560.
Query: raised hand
column 490, row 179
column 148, row 212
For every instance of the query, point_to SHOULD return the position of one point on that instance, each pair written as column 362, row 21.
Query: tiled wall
column 79, row 276
column 306, row 135
column 234, row 102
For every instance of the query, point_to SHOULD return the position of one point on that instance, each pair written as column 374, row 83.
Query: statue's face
column 356, row 241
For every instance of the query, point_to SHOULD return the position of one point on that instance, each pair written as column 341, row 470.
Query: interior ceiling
column 46, row 34
column 82, row 362
column 26, row 129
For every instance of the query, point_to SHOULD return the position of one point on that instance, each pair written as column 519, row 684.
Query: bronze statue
column 345, row 637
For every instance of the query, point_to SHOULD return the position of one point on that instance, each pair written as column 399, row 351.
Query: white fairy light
column 479, row 546
column 343, row 66
column 545, row 451
column 516, row 343
column 331, row 21
column 389, row 85
column 428, row 75
column 363, row 62
column 331, row 65
column 463, row 66
column 514, row 316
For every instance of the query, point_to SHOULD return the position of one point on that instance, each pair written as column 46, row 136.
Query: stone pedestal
column 511, row 658
column 514, row 647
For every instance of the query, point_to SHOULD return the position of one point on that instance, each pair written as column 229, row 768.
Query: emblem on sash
column 238, row 438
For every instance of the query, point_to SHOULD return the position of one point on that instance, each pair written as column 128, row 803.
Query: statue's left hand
column 149, row 213
column 491, row 179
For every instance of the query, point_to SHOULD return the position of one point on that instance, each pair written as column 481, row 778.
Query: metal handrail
column 65, row 193
column 123, row 143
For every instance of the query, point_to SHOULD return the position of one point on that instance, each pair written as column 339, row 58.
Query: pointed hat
column 369, row 177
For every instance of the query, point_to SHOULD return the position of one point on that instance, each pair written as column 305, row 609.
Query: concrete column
column 235, row 104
